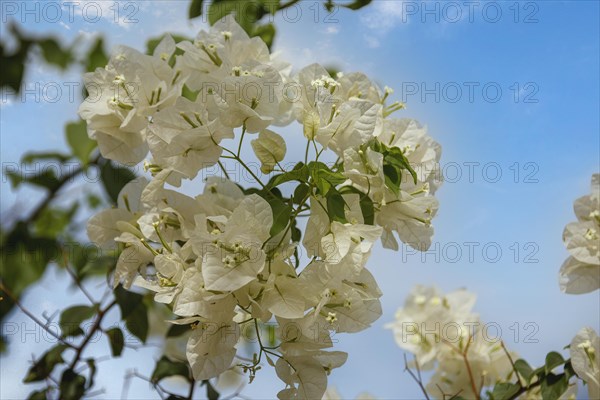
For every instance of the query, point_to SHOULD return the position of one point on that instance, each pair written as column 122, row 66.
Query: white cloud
column 372, row 41
column 332, row 30
column 385, row 15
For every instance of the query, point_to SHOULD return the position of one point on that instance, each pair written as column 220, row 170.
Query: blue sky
column 519, row 97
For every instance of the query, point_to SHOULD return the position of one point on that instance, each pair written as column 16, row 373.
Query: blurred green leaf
column 43, row 367
column 134, row 312
column 357, row 4
column 96, row 57
column 31, row 157
column 211, row 392
column 165, row 368
column 553, row 386
column 51, row 222
column 114, row 177
column 195, row 9
column 38, row 395
column 553, row 360
column 54, row 54
column 46, row 179
column 505, row 390
column 524, row 369
column 266, row 32
column 72, row 317
column 178, row 330
column 116, row 340
column 78, row 140
column 72, row 385
column 92, row 367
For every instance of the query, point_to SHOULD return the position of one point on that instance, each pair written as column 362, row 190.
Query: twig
column 78, row 282
column 95, row 327
column 33, row 317
column 416, row 379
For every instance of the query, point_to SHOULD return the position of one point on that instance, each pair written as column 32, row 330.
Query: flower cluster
column 585, row 359
column 231, row 256
column 580, row 273
column 443, row 333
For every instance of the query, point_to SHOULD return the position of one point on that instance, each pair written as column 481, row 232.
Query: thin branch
column 95, row 327
column 33, row 317
column 415, row 377
column 78, row 282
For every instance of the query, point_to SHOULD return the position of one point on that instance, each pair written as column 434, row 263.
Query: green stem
column 306, row 152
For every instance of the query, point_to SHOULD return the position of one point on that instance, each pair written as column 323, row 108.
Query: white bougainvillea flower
column 284, row 293
column 409, row 216
column 355, row 122
column 585, row 359
column 211, row 347
column 349, row 238
column 122, row 98
column 580, row 273
column 236, row 256
column 316, row 227
column 427, row 313
column 364, row 169
column 488, row 362
column 231, row 256
column 421, row 151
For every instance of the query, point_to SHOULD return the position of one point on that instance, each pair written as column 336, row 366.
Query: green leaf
column 114, row 178
column 300, row 173
column 366, row 204
column 392, row 178
column 91, row 363
column 72, row 317
column 137, row 322
column 72, row 385
column 134, row 312
column 211, row 392
column 178, row 330
column 323, row 177
column 554, row 386
column 281, row 216
column 335, row 206
column 77, row 138
column 38, row 395
column 53, row 221
column 524, row 370
column 395, row 156
column 195, row 9
column 553, row 360
column 43, row 367
column 116, row 340
column 505, row 390
column 300, row 193
column 96, row 57
column 569, row 371
column 13, row 65
column 266, row 32
column 30, row 157
column 54, row 54
column 46, row 179
column 152, row 43
column 127, row 301
column 357, row 4
column 24, row 258
column 165, row 368
column 220, row 8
